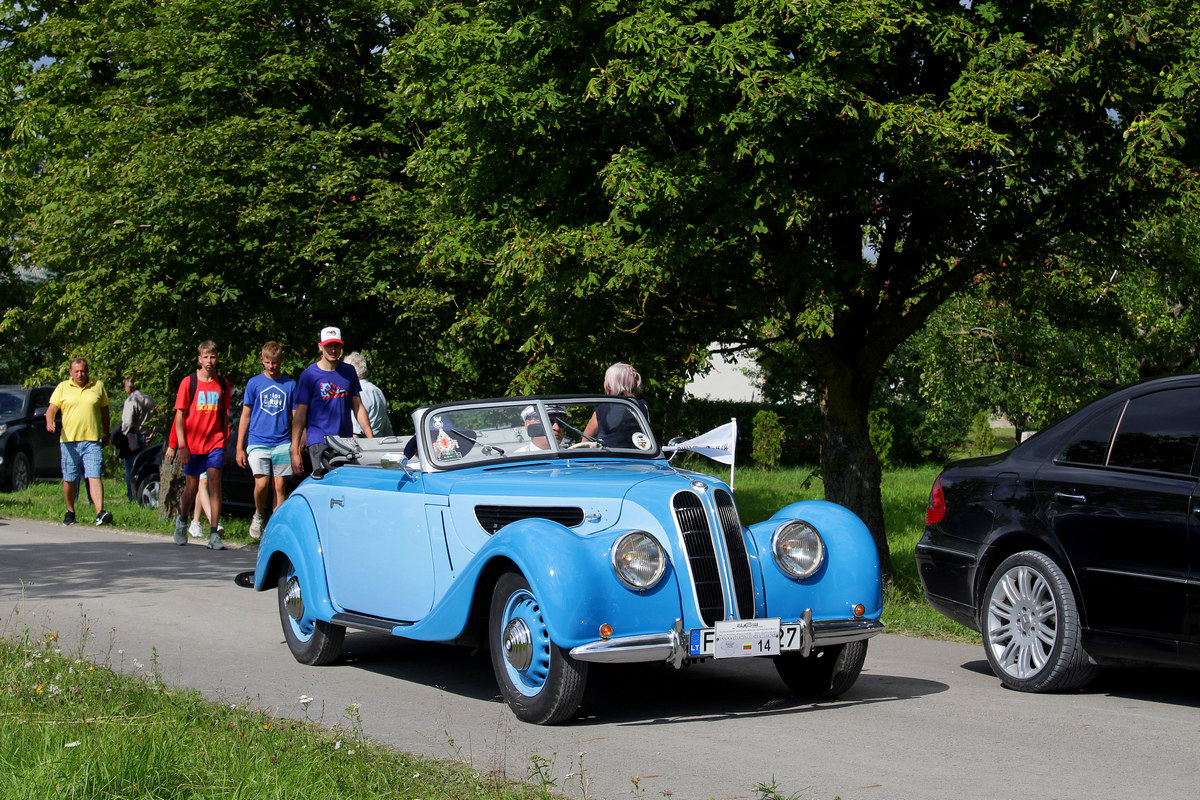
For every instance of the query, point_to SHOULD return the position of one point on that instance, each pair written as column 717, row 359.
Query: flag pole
column 732, row 450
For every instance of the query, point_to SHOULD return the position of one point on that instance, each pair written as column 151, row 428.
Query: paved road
column 925, row 720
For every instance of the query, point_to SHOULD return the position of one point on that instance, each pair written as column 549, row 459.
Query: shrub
column 767, row 439
column 981, row 440
column 882, row 435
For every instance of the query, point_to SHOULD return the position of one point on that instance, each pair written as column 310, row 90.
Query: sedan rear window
column 1159, row 432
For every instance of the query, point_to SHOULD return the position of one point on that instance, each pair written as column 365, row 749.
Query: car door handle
column 336, row 501
column 1071, row 499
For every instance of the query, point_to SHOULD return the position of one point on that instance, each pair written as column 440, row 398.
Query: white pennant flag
column 717, row 444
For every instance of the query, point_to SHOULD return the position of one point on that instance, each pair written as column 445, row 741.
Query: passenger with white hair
column 612, row 425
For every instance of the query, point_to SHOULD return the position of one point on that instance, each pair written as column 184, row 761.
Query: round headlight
column 639, row 560
column 798, row 548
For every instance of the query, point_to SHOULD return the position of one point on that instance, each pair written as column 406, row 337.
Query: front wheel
column 312, row 641
column 147, row 491
column 826, row 673
column 539, row 681
column 1032, row 633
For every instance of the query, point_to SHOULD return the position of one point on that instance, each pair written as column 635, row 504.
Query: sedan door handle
column 336, row 501
column 1070, row 499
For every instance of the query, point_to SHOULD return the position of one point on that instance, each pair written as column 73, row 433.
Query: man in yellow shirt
column 84, row 434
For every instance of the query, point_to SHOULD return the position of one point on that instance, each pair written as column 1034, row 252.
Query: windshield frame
column 446, row 440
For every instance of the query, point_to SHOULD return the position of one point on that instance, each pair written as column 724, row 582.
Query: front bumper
column 672, row 646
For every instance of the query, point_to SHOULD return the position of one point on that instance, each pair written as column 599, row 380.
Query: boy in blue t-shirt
column 264, row 433
column 326, row 395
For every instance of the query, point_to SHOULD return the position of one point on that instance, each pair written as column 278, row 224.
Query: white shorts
column 264, row 460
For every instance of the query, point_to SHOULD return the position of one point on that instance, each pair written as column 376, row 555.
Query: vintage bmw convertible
column 554, row 531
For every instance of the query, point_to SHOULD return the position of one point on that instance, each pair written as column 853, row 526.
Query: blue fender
column 572, row 577
column 849, row 576
column 292, row 535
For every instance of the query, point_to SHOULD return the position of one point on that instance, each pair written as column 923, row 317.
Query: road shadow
column 1143, row 682
column 627, row 694
column 85, row 569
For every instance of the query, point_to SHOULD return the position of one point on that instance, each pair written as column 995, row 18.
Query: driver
column 538, row 440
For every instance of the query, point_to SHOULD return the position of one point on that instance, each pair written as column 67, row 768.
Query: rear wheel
column 828, row 672
column 539, row 681
column 1032, row 632
column 312, row 641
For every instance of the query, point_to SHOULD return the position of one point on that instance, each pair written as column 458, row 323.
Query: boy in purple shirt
column 326, row 394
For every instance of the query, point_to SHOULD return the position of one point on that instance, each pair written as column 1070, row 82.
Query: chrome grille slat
column 702, row 560
column 739, row 561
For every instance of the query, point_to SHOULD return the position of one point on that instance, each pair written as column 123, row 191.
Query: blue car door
column 376, row 545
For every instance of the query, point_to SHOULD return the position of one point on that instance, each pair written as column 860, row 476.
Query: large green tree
column 811, row 177
column 189, row 169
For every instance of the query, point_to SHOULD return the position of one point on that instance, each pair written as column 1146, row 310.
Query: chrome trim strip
column 1144, row 576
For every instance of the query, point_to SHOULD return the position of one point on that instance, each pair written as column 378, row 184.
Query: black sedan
column 27, row 449
column 1081, row 545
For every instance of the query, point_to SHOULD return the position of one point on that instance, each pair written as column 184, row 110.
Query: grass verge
column 74, row 730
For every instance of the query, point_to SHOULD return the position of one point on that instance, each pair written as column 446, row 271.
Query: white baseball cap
column 331, row 335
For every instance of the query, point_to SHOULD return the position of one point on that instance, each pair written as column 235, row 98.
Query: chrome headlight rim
column 626, row 546
column 798, row 534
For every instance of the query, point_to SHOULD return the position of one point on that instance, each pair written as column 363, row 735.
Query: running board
column 367, row 623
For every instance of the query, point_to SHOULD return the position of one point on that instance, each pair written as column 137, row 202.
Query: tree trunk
column 849, row 464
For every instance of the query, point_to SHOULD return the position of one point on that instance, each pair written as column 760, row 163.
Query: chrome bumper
column 671, row 646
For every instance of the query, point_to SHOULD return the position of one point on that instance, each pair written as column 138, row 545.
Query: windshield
column 532, row 427
column 11, row 404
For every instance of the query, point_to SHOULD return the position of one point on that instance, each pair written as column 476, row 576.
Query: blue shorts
column 201, row 463
column 77, row 457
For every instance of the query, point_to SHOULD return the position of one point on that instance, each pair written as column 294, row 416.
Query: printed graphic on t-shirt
column 208, row 401
column 272, row 400
column 331, row 391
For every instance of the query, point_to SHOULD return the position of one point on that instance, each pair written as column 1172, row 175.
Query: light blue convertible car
column 554, row 531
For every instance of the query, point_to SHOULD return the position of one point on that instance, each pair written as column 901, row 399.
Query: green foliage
column 768, row 438
column 982, row 440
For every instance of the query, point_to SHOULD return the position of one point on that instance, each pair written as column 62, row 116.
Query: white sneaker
column 194, row 529
column 256, row 526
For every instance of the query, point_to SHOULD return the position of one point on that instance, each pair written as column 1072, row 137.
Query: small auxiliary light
column 859, row 610
column 605, row 631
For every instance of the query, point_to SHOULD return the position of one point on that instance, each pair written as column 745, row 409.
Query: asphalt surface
column 925, row 720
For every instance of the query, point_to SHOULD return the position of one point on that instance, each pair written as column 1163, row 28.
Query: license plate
column 744, row 638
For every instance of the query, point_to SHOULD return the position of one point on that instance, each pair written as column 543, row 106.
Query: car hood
column 602, row 495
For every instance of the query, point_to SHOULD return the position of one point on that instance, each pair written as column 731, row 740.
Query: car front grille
column 696, row 529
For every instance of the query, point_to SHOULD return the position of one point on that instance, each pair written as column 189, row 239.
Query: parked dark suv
column 27, row 449
column 1079, row 546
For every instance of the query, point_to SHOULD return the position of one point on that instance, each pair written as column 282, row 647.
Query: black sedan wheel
column 1031, row 627
column 22, row 472
column 147, row 491
column 828, row 672
column 539, row 681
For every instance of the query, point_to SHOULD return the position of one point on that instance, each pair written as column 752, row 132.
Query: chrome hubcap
column 518, row 644
column 292, row 600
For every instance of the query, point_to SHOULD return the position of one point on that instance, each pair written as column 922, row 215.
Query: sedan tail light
column 936, row 512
